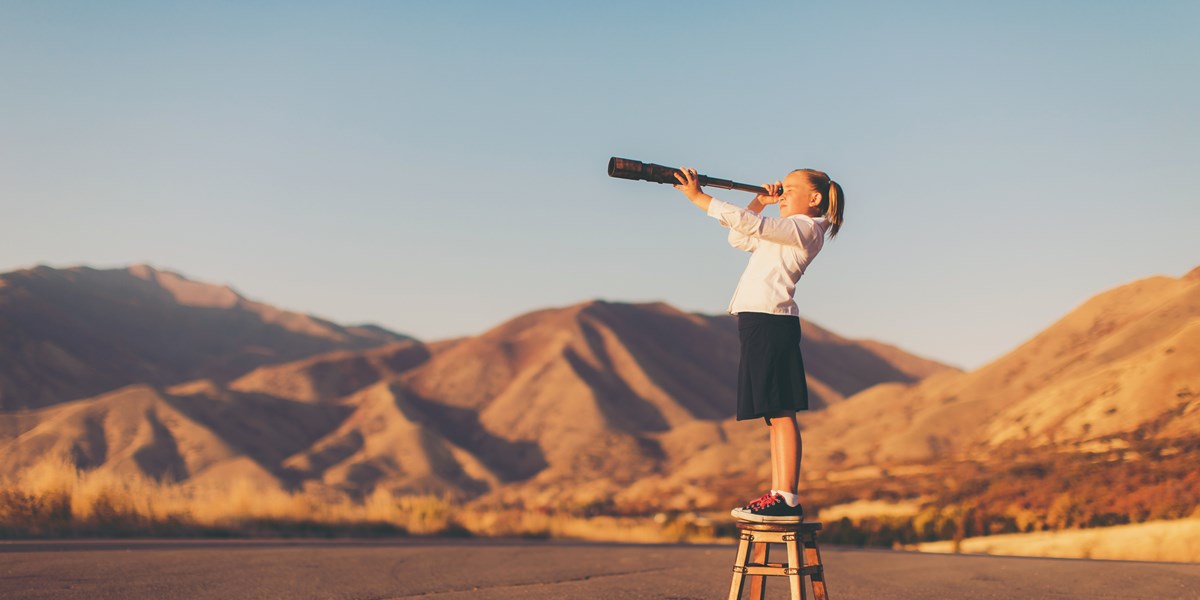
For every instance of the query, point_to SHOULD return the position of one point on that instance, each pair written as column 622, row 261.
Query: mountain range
column 72, row 333
column 1125, row 362
column 142, row 371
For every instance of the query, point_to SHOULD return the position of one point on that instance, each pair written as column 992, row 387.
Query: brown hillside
column 329, row 377
column 557, row 406
column 134, row 430
column 387, row 441
column 599, row 388
column 73, row 333
column 688, row 356
column 915, row 367
column 1121, row 362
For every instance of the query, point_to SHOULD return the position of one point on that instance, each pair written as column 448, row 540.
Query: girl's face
column 799, row 197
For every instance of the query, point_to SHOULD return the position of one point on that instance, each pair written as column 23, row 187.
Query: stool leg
column 759, row 554
column 739, row 567
column 794, row 566
column 812, row 556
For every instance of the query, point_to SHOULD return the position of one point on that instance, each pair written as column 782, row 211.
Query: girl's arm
column 742, row 241
column 789, row 232
column 747, row 221
column 689, row 184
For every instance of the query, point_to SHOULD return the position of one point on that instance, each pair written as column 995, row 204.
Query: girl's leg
column 776, row 464
column 786, row 450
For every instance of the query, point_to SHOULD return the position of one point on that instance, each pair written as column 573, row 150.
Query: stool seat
column 754, row 552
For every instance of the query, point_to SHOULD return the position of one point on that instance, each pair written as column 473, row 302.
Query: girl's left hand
column 773, row 194
column 689, row 183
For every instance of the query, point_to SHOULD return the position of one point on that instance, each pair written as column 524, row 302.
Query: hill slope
column 552, row 406
column 1124, row 361
column 73, row 333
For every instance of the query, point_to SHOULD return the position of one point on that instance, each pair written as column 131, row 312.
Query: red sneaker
column 771, row 508
column 757, row 501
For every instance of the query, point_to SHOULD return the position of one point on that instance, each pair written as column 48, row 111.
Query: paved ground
column 451, row 569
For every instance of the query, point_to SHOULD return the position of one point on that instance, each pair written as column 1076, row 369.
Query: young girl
column 771, row 382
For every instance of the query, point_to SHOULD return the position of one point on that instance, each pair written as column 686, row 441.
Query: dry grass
column 683, row 527
column 861, row 509
column 56, row 500
column 1167, row 541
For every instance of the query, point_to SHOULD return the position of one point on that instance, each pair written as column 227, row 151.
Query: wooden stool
column 754, row 550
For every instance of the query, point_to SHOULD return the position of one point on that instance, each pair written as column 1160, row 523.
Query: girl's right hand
column 772, row 191
column 689, row 183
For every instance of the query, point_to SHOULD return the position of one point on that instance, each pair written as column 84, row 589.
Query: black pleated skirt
column 771, row 372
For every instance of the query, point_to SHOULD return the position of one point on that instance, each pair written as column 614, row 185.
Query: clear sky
column 439, row 167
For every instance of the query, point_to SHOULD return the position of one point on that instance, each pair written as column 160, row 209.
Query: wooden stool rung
column 776, row 569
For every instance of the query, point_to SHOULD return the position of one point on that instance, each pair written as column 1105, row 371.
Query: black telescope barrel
column 625, row 168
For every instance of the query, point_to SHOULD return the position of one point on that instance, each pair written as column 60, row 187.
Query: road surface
column 486, row 569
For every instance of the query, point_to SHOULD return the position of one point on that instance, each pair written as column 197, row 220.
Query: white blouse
column 780, row 251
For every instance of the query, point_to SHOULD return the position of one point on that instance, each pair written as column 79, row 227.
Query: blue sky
column 438, row 167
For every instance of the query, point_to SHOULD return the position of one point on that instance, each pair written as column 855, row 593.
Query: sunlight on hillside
column 1168, row 541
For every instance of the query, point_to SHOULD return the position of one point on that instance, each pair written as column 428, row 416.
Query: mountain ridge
column 949, row 413
column 73, row 333
column 588, row 398
column 622, row 403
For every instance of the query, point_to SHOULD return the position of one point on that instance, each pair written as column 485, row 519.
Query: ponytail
column 836, row 207
column 833, row 199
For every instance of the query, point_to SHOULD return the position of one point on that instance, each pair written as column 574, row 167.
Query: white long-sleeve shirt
column 780, row 251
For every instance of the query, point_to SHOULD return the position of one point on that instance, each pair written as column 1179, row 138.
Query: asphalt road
column 451, row 569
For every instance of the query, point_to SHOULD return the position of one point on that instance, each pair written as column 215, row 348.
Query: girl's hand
column 773, row 193
column 689, row 184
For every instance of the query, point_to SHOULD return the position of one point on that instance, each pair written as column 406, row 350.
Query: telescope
column 625, row 168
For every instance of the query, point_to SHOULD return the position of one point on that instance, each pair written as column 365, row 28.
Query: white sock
column 790, row 498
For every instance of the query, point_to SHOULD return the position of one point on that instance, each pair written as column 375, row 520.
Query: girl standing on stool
column 771, row 382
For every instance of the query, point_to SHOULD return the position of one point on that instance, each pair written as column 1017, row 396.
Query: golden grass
column 54, row 499
column 663, row 528
column 860, row 509
column 1166, row 541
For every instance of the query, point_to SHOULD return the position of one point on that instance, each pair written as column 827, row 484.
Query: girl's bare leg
column 776, row 472
column 786, row 451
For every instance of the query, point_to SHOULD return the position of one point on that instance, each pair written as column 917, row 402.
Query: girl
column 771, row 382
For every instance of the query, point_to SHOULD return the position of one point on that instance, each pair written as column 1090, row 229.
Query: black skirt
column 771, row 373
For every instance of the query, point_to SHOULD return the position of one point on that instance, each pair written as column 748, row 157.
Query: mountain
column 1124, row 362
column 67, row 334
column 552, row 406
column 330, row 377
column 136, row 430
column 596, row 393
column 596, row 406
column 625, row 404
column 388, row 440
column 205, row 434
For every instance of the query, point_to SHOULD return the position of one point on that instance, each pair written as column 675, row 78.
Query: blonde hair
column 833, row 199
